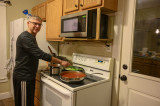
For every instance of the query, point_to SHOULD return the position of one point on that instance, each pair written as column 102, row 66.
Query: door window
column 146, row 41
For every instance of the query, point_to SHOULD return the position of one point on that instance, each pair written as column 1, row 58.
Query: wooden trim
column 98, row 23
column 53, row 39
column 85, row 39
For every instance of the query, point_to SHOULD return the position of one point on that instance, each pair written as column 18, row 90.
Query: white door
column 140, row 61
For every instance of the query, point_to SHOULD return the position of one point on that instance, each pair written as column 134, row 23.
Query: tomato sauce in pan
column 73, row 75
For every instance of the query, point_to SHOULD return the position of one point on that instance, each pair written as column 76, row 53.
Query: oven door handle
column 57, row 87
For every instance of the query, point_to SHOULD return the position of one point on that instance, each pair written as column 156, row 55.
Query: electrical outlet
column 108, row 48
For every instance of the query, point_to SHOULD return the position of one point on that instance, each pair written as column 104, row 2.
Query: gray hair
column 34, row 18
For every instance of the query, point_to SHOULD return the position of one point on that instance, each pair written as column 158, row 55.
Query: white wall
column 13, row 12
column 3, row 72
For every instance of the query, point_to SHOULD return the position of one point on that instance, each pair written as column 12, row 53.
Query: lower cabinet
column 146, row 66
column 37, row 91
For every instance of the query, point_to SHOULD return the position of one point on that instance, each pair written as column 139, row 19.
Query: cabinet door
column 37, row 90
column 42, row 10
column 70, row 5
column 53, row 17
column 90, row 3
column 34, row 10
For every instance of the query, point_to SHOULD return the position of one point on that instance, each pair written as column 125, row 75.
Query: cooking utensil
column 74, row 68
column 54, row 68
column 72, row 76
column 53, row 54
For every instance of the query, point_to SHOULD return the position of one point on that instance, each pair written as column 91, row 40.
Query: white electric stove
column 94, row 90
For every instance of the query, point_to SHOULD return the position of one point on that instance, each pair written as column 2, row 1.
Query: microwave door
column 74, row 27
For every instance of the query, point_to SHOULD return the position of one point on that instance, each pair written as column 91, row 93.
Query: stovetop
column 88, row 80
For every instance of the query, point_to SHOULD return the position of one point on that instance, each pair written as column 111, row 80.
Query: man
column 27, row 57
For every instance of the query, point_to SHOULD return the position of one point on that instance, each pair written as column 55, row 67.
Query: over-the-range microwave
column 83, row 25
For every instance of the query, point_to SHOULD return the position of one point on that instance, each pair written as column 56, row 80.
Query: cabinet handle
column 76, row 5
column 81, row 5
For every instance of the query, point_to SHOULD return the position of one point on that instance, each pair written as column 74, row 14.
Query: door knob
column 125, row 66
column 123, row 78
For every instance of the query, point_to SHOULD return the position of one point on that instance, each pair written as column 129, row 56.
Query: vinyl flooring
column 7, row 102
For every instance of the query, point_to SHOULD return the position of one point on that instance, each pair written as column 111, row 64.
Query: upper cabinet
column 71, row 6
column 40, row 10
column 34, row 10
column 52, row 10
column 90, row 3
column 53, row 20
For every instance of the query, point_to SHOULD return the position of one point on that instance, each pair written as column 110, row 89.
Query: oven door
column 54, row 94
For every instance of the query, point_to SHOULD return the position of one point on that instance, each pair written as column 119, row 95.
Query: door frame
column 116, row 50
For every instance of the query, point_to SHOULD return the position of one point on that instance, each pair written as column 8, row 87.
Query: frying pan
column 72, row 76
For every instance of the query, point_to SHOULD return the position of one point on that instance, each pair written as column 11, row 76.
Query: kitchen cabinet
column 53, row 17
column 40, row 10
column 71, row 6
column 37, row 90
column 34, row 10
column 146, row 66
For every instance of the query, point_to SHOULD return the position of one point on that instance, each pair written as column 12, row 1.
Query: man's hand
column 65, row 63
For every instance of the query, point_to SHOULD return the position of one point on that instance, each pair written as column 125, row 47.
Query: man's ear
column 27, row 22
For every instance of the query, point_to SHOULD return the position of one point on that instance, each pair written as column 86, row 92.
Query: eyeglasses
column 34, row 23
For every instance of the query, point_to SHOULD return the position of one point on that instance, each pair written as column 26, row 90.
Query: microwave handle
column 56, row 86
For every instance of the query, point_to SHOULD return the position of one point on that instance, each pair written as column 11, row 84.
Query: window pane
column 146, row 48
